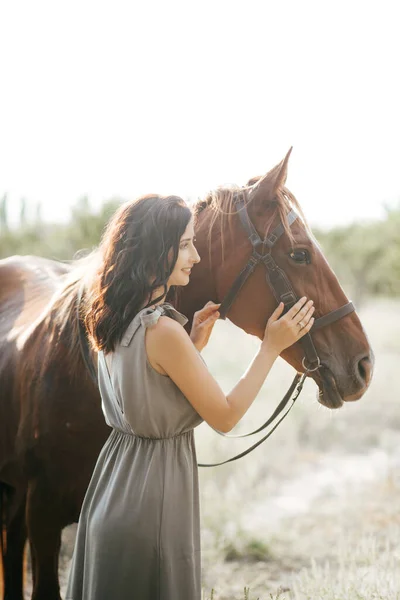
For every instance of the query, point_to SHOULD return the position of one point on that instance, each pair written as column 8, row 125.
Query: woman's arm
column 172, row 350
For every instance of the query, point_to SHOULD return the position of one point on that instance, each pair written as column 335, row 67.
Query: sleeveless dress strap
column 148, row 317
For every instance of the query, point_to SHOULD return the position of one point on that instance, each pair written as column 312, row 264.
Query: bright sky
column 176, row 96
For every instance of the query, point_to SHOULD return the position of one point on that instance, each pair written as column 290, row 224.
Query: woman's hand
column 203, row 323
column 280, row 333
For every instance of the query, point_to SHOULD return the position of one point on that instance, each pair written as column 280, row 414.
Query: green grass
column 248, row 596
column 252, row 550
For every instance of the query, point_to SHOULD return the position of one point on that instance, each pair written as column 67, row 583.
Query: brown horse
column 51, row 423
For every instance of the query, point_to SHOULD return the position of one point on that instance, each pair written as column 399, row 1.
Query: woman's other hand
column 203, row 323
column 282, row 332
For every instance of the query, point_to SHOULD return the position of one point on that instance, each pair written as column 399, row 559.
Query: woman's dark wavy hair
column 138, row 252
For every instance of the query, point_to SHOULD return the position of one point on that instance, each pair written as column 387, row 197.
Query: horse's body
column 51, row 423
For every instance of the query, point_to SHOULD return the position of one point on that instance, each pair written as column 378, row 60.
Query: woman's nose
column 196, row 257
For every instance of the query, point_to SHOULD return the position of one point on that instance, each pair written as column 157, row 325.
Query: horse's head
column 343, row 348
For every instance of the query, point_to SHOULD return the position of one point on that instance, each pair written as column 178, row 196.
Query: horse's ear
column 267, row 186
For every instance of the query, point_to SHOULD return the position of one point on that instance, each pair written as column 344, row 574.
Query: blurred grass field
column 314, row 512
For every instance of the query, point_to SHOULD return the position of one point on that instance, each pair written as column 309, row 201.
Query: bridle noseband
column 283, row 292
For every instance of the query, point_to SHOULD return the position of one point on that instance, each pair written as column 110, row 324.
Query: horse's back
column 27, row 283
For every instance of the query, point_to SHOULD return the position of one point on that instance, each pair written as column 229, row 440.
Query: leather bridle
column 283, row 292
column 277, row 281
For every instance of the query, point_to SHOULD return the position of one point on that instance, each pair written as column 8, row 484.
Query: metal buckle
column 268, row 260
column 255, row 239
column 307, row 368
column 272, row 238
column 254, row 259
column 288, row 299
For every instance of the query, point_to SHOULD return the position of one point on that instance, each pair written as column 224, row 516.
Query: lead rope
column 272, row 418
column 296, row 385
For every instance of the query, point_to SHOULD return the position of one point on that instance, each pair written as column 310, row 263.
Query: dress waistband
column 153, row 439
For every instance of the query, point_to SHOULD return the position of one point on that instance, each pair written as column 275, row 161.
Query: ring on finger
column 301, row 324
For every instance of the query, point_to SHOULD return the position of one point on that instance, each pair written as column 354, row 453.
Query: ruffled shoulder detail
column 148, row 317
column 170, row 311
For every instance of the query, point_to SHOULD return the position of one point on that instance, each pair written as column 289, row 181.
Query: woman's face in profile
column 187, row 257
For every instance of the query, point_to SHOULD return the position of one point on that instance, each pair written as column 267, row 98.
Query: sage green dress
column 138, row 536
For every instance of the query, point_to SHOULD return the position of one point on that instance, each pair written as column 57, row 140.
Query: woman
column 139, row 530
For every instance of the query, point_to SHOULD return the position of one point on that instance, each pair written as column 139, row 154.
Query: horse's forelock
column 286, row 201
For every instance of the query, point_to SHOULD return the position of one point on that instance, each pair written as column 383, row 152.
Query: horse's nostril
column 365, row 369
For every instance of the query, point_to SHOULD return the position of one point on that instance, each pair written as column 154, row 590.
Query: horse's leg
column 44, row 530
column 33, row 565
column 13, row 551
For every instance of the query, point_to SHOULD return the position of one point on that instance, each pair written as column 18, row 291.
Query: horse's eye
column 300, row 256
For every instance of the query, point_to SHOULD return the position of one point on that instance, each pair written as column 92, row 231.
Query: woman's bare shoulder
column 167, row 336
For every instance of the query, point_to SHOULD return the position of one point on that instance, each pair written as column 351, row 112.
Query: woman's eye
column 186, row 244
column 300, row 256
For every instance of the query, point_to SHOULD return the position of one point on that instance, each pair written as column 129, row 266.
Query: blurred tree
column 22, row 212
column 3, row 214
column 366, row 257
column 38, row 212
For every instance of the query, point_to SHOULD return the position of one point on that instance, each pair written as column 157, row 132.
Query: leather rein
column 283, row 292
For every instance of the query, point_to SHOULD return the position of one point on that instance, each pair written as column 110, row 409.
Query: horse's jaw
column 328, row 394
